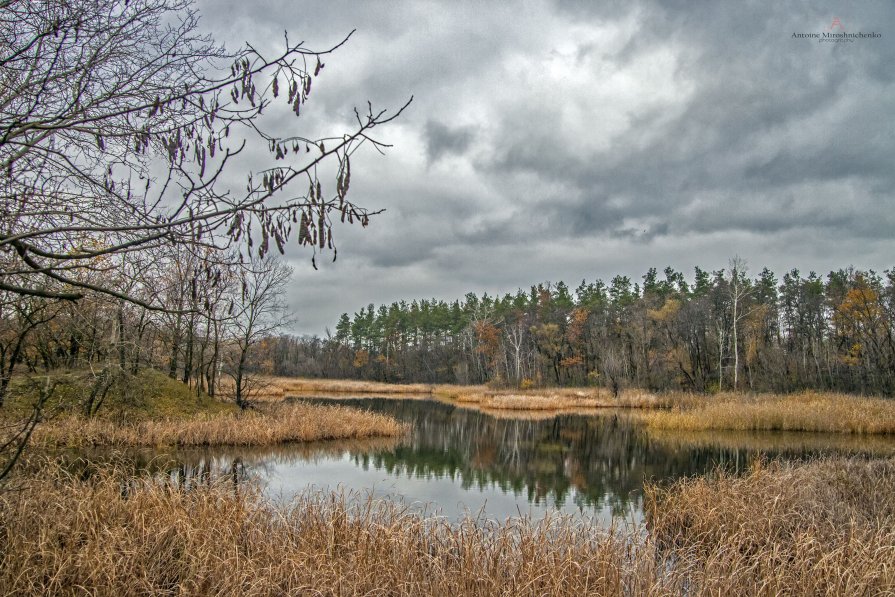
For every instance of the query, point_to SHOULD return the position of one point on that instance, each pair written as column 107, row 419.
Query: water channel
column 457, row 461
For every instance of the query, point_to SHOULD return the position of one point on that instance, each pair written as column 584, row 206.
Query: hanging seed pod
column 303, row 232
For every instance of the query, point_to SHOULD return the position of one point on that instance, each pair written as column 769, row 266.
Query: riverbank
column 820, row 528
column 277, row 388
column 271, row 388
column 810, row 411
column 554, row 398
column 151, row 409
column 264, row 426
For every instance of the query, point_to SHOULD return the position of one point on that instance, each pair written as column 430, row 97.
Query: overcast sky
column 563, row 140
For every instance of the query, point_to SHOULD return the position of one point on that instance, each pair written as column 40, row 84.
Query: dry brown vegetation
column 291, row 386
column 678, row 411
column 555, row 398
column 791, row 441
column 822, row 528
column 817, row 529
column 273, row 424
column 807, row 411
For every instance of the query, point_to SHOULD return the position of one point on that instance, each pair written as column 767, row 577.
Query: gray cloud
column 569, row 139
column 444, row 140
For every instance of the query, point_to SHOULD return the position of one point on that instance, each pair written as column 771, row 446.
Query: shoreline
column 270, row 425
column 809, row 411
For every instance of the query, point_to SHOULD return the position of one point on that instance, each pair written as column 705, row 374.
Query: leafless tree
column 259, row 309
column 740, row 290
column 118, row 120
column 122, row 131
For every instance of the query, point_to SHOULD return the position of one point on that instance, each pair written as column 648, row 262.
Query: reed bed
column 285, row 386
column 823, row 528
column 819, row 529
column 105, row 537
column 556, row 399
column 273, row 424
column 807, row 411
column 783, row 441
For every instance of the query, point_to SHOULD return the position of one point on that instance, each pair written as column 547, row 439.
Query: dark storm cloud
column 561, row 139
column 445, row 140
column 813, row 106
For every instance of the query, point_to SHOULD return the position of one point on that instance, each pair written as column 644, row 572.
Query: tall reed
column 807, row 411
column 818, row 529
column 271, row 424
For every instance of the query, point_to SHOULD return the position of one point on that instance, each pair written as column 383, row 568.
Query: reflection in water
column 467, row 460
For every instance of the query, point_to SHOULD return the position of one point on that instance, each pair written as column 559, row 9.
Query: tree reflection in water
column 596, row 462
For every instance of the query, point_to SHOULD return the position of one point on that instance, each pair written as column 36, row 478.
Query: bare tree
column 740, row 289
column 259, row 309
column 118, row 120
column 18, row 318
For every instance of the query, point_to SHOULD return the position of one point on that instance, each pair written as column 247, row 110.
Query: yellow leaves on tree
column 860, row 320
column 361, row 358
column 488, row 336
column 665, row 313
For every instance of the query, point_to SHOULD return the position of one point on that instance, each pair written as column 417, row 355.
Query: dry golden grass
column 807, row 411
column 273, row 424
column 761, row 441
column 276, row 388
column 286, row 386
column 555, row 398
column 62, row 536
column 820, row 529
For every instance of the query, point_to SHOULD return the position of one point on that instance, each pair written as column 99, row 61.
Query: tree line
column 718, row 330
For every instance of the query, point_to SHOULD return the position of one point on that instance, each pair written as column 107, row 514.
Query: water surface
column 457, row 461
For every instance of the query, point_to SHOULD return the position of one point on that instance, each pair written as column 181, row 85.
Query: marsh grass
column 819, row 529
column 269, row 425
column 783, row 441
column 143, row 536
column 822, row 528
column 807, row 411
column 555, row 398
column 280, row 387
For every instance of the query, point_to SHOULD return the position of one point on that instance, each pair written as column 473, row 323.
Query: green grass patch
column 149, row 394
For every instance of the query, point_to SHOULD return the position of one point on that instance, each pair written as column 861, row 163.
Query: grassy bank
column 151, row 409
column 822, row 528
column 794, row 442
column 807, row 411
column 274, row 388
column 148, row 394
column 272, row 424
column 675, row 411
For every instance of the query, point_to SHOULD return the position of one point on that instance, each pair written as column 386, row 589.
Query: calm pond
column 458, row 461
